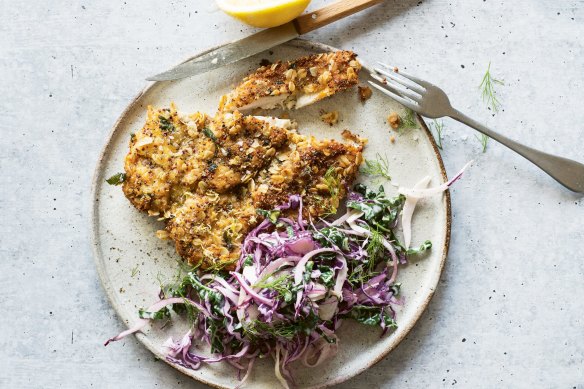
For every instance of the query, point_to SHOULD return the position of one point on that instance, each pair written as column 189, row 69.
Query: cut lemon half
column 263, row 13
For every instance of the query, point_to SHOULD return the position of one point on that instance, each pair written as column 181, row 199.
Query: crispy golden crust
column 319, row 170
column 208, row 176
column 316, row 76
column 175, row 154
column 162, row 162
column 208, row 229
column 245, row 144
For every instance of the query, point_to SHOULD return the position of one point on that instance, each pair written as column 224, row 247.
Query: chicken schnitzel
column 294, row 84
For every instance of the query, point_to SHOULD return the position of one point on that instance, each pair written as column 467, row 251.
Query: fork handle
column 567, row 172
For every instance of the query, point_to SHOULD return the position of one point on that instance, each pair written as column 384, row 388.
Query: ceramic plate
column 130, row 259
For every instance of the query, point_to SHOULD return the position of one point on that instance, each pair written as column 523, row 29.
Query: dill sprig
column 408, row 120
column 374, row 248
column 256, row 328
column 378, row 167
column 279, row 284
column 488, row 92
column 134, row 271
column 489, row 95
column 484, row 141
column 438, row 127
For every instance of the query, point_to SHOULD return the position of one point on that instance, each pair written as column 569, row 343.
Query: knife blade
column 231, row 52
column 263, row 40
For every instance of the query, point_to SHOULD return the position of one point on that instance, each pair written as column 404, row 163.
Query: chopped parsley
column 165, row 124
column 116, row 179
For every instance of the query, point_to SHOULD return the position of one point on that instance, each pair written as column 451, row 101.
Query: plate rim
column 142, row 338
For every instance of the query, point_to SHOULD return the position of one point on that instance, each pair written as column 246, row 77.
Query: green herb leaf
column 408, row 120
column 333, row 183
column 484, row 139
column 116, row 179
column 328, row 236
column 379, row 211
column 488, row 92
column 281, row 284
column 248, row 261
column 374, row 248
column 209, row 134
column 371, row 316
column 163, row 313
column 378, row 167
column 423, row 247
column 165, row 124
column 327, row 275
column 227, row 240
column 438, row 127
column 272, row 215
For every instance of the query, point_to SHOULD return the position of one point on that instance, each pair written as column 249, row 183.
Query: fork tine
column 398, row 88
column 406, row 75
column 402, row 80
column 405, row 102
column 404, row 91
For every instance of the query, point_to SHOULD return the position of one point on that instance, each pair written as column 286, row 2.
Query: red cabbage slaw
column 295, row 283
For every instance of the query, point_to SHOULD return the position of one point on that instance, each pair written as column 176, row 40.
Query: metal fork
column 430, row 101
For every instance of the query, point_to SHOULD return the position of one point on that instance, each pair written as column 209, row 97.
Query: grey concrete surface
column 509, row 309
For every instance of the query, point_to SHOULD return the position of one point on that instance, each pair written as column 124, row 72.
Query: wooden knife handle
column 331, row 13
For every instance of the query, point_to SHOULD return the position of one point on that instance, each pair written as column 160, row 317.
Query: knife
column 263, row 40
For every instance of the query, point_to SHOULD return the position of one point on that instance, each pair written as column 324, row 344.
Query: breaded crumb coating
column 294, row 84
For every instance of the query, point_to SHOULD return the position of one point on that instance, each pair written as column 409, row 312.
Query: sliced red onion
column 249, row 274
column 175, row 348
column 302, row 246
column 315, row 291
column 249, row 291
column 247, row 373
column 277, row 367
column 408, row 211
column 142, row 322
column 421, row 193
column 341, row 278
column 318, row 352
column 328, row 308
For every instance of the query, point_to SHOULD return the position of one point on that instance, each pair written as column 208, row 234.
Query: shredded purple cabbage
column 292, row 287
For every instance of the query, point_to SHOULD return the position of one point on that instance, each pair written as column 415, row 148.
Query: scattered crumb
column 416, row 138
column 392, row 139
column 394, row 120
column 265, row 62
column 364, row 93
column 122, row 290
column 329, row 118
column 395, row 69
column 352, row 137
column 162, row 234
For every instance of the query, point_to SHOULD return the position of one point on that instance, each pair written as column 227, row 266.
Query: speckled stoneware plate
column 130, row 259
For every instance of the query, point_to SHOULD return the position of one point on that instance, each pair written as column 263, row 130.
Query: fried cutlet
column 318, row 170
column 173, row 154
column 294, row 84
column 208, row 228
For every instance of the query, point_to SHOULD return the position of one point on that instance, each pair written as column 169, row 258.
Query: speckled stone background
column 509, row 308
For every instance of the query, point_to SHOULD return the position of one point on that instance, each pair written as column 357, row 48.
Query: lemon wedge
column 263, row 13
